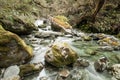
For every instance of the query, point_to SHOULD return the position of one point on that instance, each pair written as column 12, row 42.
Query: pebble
column 64, row 73
column 81, row 63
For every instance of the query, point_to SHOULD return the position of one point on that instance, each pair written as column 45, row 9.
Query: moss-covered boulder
column 61, row 54
column 60, row 23
column 17, row 24
column 13, row 49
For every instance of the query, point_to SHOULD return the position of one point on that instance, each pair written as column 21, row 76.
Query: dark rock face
column 13, row 49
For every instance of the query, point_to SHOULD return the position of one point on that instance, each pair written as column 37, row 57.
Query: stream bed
column 86, row 49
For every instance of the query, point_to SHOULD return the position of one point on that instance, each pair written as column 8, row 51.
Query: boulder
column 61, row 54
column 17, row 24
column 13, row 49
column 60, row 23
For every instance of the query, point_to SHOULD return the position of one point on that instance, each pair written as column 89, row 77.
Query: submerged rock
column 61, row 54
column 101, row 64
column 13, row 49
column 78, row 74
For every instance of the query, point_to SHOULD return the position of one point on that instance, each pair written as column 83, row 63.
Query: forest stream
column 87, row 47
column 59, row 39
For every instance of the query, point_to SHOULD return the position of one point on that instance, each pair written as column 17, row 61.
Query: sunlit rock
column 60, row 23
column 13, row 49
column 60, row 54
column 81, row 63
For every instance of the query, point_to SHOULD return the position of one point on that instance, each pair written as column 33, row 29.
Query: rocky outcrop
column 13, row 49
column 61, row 54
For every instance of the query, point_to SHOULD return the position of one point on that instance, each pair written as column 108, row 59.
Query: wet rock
column 45, row 34
column 61, row 54
column 116, row 71
column 28, row 69
column 81, row 63
column 13, row 49
column 101, row 64
column 106, row 48
column 78, row 74
column 64, row 73
column 60, row 23
column 12, row 73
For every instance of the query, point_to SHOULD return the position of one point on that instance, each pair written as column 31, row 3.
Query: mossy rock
column 18, row 25
column 13, row 49
column 60, row 23
column 27, row 69
column 61, row 54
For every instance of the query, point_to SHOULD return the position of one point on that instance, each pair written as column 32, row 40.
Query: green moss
column 1, row 28
column 58, row 58
column 12, row 43
column 62, row 18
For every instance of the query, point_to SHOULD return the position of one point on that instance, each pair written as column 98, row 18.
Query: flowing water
column 83, row 49
column 42, row 45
